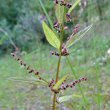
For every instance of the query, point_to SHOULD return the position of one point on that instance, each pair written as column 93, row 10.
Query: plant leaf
column 67, row 97
column 77, row 36
column 59, row 13
column 73, row 6
column 32, row 80
column 50, row 36
column 56, row 86
column 64, row 98
column 75, row 95
column 50, row 22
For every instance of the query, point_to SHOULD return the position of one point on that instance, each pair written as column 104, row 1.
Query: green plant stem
column 78, row 83
column 58, row 65
column 96, row 72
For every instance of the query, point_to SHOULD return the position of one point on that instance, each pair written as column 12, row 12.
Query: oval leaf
column 73, row 6
column 50, row 36
column 77, row 36
column 33, row 81
column 59, row 13
column 56, row 86
column 67, row 97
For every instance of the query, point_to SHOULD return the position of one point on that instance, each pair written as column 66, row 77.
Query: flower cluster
column 74, row 31
column 58, row 27
column 27, row 67
column 62, row 53
column 62, row 3
column 67, row 18
column 55, row 1
column 65, row 87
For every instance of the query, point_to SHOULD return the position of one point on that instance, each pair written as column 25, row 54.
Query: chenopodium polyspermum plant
column 55, row 85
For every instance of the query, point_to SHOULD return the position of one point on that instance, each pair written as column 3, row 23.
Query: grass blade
column 78, row 83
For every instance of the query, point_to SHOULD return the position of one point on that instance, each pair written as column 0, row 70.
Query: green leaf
column 67, row 97
column 50, row 36
column 64, row 98
column 73, row 6
column 31, row 80
column 75, row 95
column 77, row 37
column 59, row 13
column 56, row 86
column 50, row 22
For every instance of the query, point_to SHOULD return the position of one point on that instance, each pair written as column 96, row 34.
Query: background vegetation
column 22, row 21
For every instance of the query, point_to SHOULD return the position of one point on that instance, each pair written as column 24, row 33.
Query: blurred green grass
column 23, row 96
